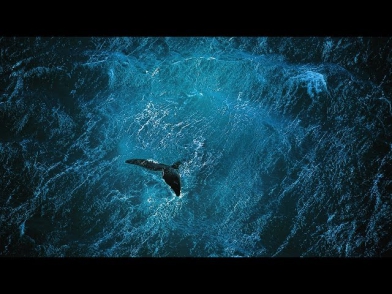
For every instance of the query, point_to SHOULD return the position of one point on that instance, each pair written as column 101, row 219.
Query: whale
column 169, row 172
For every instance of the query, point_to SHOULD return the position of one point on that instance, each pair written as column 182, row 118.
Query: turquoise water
column 283, row 153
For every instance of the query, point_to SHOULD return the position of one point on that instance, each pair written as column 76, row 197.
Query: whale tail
column 169, row 172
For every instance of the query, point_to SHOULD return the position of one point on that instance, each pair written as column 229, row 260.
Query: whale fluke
column 169, row 172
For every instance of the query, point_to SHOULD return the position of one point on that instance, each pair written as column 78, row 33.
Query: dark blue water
column 285, row 146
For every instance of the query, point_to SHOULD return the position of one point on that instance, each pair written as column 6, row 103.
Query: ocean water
column 285, row 146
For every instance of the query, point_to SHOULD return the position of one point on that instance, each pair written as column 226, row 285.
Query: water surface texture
column 285, row 146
